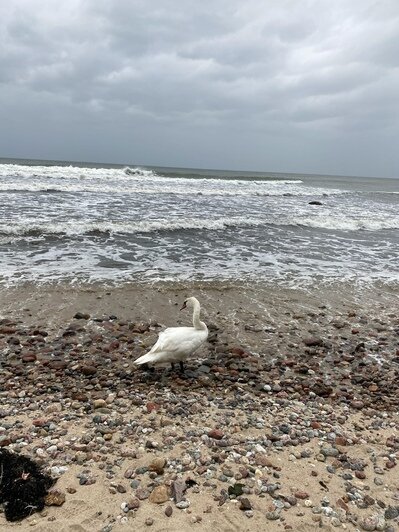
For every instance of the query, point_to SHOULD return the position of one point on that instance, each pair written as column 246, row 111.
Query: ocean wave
column 28, row 229
column 136, row 180
column 139, row 172
column 73, row 172
column 172, row 187
column 42, row 174
column 347, row 224
column 150, row 226
column 127, row 174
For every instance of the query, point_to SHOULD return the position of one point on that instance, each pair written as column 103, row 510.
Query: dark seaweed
column 23, row 486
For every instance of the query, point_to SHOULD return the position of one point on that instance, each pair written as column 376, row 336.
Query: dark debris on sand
column 23, row 486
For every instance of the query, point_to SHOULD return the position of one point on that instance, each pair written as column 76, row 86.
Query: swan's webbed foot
column 181, row 366
column 146, row 367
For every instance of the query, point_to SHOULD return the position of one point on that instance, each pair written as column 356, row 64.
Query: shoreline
column 133, row 300
column 292, row 404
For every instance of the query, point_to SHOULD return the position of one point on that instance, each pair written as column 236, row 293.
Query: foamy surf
column 74, row 223
column 31, row 228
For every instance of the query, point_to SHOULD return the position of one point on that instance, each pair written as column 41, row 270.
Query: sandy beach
column 286, row 419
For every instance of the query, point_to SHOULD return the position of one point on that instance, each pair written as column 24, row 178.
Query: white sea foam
column 342, row 223
column 72, row 179
column 126, row 174
column 150, row 226
column 73, row 172
column 173, row 186
column 32, row 228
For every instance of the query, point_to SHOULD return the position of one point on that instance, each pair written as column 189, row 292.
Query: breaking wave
column 167, row 225
column 348, row 224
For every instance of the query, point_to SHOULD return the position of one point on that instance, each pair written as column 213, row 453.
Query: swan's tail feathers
column 145, row 359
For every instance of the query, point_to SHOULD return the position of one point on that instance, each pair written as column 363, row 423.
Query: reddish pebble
column 40, row 422
column 315, row 425
column 238, row 350
column 357, row 404
column 301, row 495
column 29, row 358
column 152, row 406
column 216, row 434
column 342, row 504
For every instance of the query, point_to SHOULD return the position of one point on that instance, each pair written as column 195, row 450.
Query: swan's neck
column 196, row 315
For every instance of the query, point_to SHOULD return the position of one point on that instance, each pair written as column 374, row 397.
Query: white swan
column 175, row 344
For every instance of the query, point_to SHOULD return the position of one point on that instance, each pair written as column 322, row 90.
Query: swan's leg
column 146, row 367
column 181, row 366
column 173, row 365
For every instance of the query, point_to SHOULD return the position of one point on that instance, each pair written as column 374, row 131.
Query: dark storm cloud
column 135, row 80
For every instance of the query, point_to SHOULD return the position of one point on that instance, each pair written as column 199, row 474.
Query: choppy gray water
column 68, row 222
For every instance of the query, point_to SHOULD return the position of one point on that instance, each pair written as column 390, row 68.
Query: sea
column 67, row 222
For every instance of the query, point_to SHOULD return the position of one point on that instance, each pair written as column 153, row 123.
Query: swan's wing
column 173, row 339
column 175, row 343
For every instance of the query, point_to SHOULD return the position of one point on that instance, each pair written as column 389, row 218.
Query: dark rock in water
column 315, row 202
column 22, row 486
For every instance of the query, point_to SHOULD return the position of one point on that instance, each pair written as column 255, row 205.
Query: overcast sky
column 283, row 85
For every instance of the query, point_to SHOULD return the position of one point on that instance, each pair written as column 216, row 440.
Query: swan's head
column 190, row 303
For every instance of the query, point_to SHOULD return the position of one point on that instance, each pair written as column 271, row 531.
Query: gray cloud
column 284, row 86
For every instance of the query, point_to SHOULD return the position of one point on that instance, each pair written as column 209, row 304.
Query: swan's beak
column 183, row 306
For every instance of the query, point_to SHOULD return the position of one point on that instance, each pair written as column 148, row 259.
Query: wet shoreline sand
column 294, row 398
column 267, row 303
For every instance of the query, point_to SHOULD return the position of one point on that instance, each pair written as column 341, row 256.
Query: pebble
column 158, row 465
column 391, row 512
column 99, row 403
column 159, row 495
column 133, row 504
column 372, row 523
column 329, row 451
column 142, row 494
column 245, row 504
column 216, row 434
column 301, row 495
column 182, row 505
column 54, row 498
column 273, row 516
column 178, row 488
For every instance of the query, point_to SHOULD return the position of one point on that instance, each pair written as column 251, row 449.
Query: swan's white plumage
column 175, row 344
